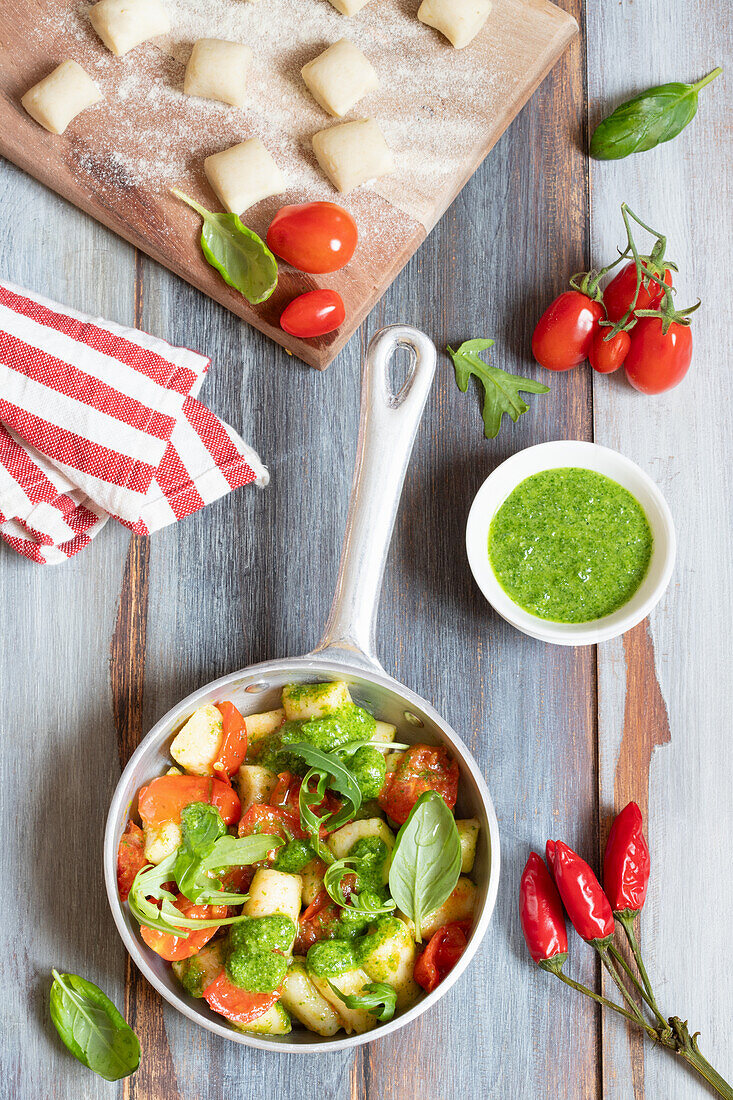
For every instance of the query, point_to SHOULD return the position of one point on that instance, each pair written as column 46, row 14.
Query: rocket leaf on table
column 501, row 389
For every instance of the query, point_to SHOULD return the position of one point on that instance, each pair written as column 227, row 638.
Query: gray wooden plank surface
column 251, row 577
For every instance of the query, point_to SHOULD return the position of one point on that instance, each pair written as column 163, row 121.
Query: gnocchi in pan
column 275, row 865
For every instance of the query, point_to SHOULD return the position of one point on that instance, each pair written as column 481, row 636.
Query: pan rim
column 311, row 664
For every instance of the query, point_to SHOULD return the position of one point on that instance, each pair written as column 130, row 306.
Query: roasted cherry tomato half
column 164, row 798
column 606, row 356
column 619, row 294
column 130, row 858
column 565, row 331
column 443, row 951
column 238, row 1005
column 233, row 748
column 422, row 768
column 658, row 361
column 172, row 947
column 313, row 314
column 272, row 821
column 316, row 922
column 316, row 236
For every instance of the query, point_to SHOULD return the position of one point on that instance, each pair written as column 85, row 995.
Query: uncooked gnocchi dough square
column 339, row 77
column 217, row 69
column 124, row 24
column 349, row 7
column 459, row 20
column 243, row 175
column 61, row 96
column 352, row 153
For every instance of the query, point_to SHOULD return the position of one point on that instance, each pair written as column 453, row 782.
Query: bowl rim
column 119, row 812
column 592, row 456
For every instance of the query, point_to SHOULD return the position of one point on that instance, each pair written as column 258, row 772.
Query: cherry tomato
column 271, row 820
column 422, row 768
column 316, row 237
column 130, row 858
column 607, row 356
column 316, row 922
column 238, row 1005
column 313, row 314
column 443, row 951
column 164, row 798
column 286, row 791
column 565, row 331
column 619, row 294
column 233, row 748
column 658, row 361
column 172, row 947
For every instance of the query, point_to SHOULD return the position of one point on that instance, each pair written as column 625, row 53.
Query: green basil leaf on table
column 241, row 257
column 426, row 861
column 650, row 118
column 501, row 389
column 92, row 1028
column 378, row 998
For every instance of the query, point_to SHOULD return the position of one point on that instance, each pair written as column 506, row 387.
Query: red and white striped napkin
column 98, row 420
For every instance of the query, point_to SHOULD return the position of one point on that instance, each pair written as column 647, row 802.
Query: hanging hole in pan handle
column 386, row 365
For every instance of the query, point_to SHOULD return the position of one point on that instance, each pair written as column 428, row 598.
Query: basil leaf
column 426, row 861
column 650, row 118
column 197, row 880
column 241, row 257
column 92, row 1028
column 501, row 389
column 378, row 998
column 240, row 851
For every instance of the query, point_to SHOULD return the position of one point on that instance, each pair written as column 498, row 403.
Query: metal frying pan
column 387, row 431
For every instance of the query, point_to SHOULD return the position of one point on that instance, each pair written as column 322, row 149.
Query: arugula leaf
column 501, row 389
column 241, row 257
column 309, row 820
column 201, row 826
column 92, row 1028
column 650, row 118
column 378, row 998
column 426, row 860
column 340, row 778
column 199, row 882
column 358, row 902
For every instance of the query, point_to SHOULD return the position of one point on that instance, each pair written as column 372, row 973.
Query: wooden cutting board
column 441, row 110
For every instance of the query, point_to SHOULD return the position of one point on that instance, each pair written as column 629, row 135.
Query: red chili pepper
column 626, row 864
column 550, row 855
column 582, row 895
column 542, row 917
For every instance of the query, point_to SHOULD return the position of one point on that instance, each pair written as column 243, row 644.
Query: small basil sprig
column 426, row 861
column 358, row 902
column 377, row 998
column 92, row 1028
column 241, row 257
column 501, row 389
column 650, row 118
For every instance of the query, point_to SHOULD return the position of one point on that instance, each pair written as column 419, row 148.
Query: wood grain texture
column 513, row 53
column 563, row 737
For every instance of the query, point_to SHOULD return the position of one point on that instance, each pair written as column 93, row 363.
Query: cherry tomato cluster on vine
column 655, row 351
column 318, row 238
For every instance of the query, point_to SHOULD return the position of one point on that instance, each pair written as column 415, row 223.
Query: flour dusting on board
column 431, row 103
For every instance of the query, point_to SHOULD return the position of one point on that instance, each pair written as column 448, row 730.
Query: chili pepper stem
column 649, row 1000
column 633, row 1007
column 686, row 1046
column 580, row 988
column 626, row 920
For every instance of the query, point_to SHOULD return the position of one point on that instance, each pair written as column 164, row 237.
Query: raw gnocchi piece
column 61, row 96
column 343, row 840
column 304, row 701
column 217, row 69
column 201, row 969
column 196, row 745
column 274, row 892
column 124, row 24
column 162, row 841
column 255, row 784
column 275, row 1021
column 303, row 1001
column 468, row 831
column 349, row 7
column 339, row 77
column 459, row 20
column 384, row 731
column 459, row 906
column 259, row 725
column 242, row 175
column 392, row 960
column 351, row 981
column 352, row 153
column 312, row 875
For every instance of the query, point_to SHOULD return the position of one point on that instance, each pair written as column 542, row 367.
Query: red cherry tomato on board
column 619, row 294
column 658, row 361
column 607, row 356
column 313, row 314
column 565, row 331
column 316, row 237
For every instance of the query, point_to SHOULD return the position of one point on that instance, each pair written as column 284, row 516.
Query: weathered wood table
column 96, row 650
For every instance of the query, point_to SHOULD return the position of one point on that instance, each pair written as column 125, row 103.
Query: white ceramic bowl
column 589, row 456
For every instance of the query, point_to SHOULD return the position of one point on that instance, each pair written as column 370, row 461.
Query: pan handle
column 387, row 428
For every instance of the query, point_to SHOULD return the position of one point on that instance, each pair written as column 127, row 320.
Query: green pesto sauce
column 293, row 857
column 348, row 723
column 570, row 545
column 256, row 971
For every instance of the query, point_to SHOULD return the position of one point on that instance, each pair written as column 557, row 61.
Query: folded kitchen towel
column 98, row 420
